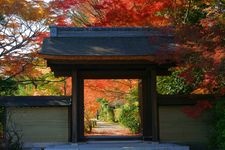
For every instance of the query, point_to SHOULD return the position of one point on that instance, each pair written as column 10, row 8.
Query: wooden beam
column 184, row 100
column 66, row 69
column 112, row 74
column 74, row 115
column 97, row 62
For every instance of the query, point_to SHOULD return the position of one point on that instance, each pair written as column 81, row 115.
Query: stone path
column 109, row 129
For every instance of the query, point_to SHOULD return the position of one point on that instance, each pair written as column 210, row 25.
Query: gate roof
column 98, row 43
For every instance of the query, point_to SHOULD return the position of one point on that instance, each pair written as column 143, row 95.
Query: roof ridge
column 59, row 31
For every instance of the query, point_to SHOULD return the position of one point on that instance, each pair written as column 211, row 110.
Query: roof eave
column 147, row 58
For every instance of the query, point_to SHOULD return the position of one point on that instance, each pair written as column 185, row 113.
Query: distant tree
column 111, row 90
column 19, row 29
column 21, row 35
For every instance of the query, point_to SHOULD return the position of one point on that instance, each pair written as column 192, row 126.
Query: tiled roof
column 66, row 41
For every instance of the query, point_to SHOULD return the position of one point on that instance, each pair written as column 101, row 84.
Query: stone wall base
column 112, row 145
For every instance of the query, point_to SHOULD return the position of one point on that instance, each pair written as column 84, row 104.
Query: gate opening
column 112, row 107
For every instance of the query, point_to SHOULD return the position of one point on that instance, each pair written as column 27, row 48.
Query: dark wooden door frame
column 149, row 103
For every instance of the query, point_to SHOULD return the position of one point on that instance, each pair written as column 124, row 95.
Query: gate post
column 154, row 104
column 74, row 115
column 150, row 107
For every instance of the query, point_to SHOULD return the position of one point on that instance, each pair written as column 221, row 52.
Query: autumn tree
column 21, row 34
column 18, row 29
column 112, row 90
column 204, row 47
column 112, row 12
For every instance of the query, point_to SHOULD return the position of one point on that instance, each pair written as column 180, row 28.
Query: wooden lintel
column 65, row 69
column 112, row 74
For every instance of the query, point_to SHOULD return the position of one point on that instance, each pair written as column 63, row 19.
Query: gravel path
column 109, row 128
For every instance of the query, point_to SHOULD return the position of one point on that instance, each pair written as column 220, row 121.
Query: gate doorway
column 116, row 73
column 112, row 108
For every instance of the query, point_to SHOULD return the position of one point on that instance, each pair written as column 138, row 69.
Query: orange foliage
column 115, row 12
column 109, row 89
column 40, row 37
column 204, row 51
column 28, row 10
column 196, row 111
column 135, row 13
column 20, row 66
column 21, row 30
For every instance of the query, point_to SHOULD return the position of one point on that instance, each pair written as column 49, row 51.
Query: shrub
column 13, row 136
column 130, row 117
column 8, row 87
column 218, row 138
column 173, row 84
column 13, row 140
column 117, row 114
column 106, row 112
column 87, row 123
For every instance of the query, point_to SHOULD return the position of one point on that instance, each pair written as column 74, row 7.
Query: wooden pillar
column 80, row 103
column 147, row 108
column 74, row 112
column 154, row 104
column 140, row 98
column 150, row 108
